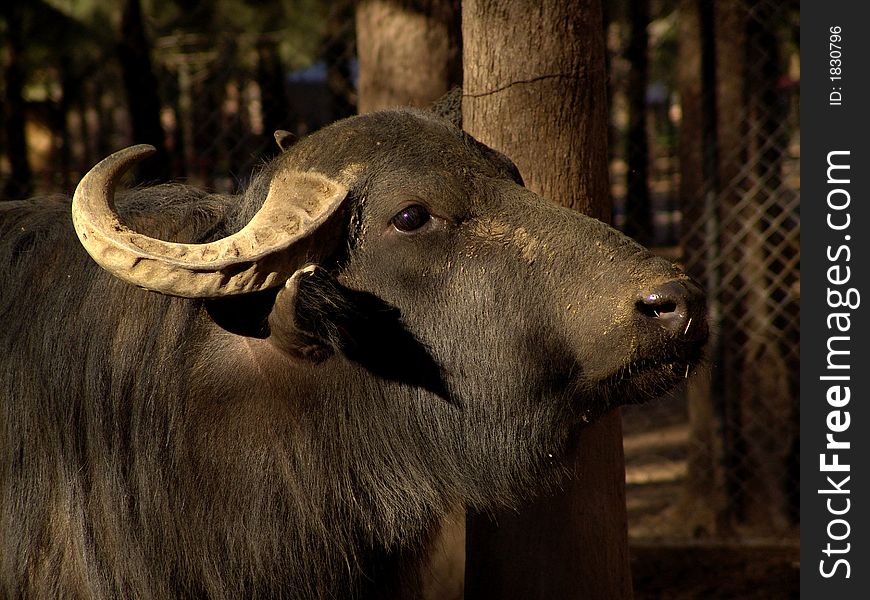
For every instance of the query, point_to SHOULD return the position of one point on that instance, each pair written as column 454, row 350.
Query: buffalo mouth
column 646, row 378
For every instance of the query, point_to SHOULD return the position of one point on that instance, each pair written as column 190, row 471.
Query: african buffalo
column 284, row 398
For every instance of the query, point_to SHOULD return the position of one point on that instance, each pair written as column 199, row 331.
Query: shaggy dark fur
column 304, row 443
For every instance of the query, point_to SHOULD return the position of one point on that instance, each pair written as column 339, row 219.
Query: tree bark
column 638, row 216
column 142, row 97
column 271, row 77
column 20, row 183
column 535, row 90
column 337, row 51
column 761, row 416
column 208, row 135
column 703, row 507
column 744, row 432
column 410, row 52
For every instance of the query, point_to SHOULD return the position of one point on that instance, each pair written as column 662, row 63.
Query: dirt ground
column 741, row 573
column 675, row 572
column 666, row 562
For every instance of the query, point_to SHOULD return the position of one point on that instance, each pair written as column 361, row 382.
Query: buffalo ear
column 284, row 139
column 449, row 107
column 291, row 327
column 281, row 315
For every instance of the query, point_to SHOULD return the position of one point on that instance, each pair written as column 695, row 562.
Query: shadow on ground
column 727, row 572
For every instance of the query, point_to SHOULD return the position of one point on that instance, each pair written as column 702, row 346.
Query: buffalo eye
column 411, row 218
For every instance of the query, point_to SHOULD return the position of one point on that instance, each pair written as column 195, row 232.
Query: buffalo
column 279, row 394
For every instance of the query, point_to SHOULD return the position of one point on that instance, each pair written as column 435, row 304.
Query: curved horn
column 297, row 204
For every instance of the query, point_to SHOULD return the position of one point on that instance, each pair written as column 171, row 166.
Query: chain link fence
column 718, row 462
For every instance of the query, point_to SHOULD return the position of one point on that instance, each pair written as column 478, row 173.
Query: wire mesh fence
column 720, row 461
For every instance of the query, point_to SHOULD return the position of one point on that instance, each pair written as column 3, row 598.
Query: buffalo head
column 387, row 323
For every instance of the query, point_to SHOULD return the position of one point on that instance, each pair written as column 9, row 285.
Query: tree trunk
column 337, row 51
column 142, row 98
column 20, row 184
column 761, row 415
column 271, row 77
column 638, row 216
column 703, row 508
column 208, row 136
column 535, row 90
column 741, row 469
column 410, row 55
column 410, row 52
column 70, row 85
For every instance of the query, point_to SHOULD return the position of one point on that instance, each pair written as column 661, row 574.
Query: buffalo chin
column 645, row 379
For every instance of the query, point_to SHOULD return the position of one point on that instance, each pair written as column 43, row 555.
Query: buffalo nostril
column 674, row 305
column 651, row 306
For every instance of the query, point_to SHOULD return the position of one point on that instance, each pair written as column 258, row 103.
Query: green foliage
column 73, row 38
column 63, row 39
column 295, row 25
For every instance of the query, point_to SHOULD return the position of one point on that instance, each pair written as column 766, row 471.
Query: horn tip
column 143, row 150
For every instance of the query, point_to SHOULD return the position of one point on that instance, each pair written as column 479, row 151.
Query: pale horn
column 263, row 254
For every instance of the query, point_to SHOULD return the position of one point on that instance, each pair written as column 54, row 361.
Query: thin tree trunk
column 337, row 51
column 141, row 87
column 730, row 41
column 273, row 89
column 760, row 417
column 410, row 55
column 70, row 90
column 764, row 401
column 410, row 52
column 703, row 507
column 638, row 216
column 535, row 90
column 208, row 139
column 20, row 183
